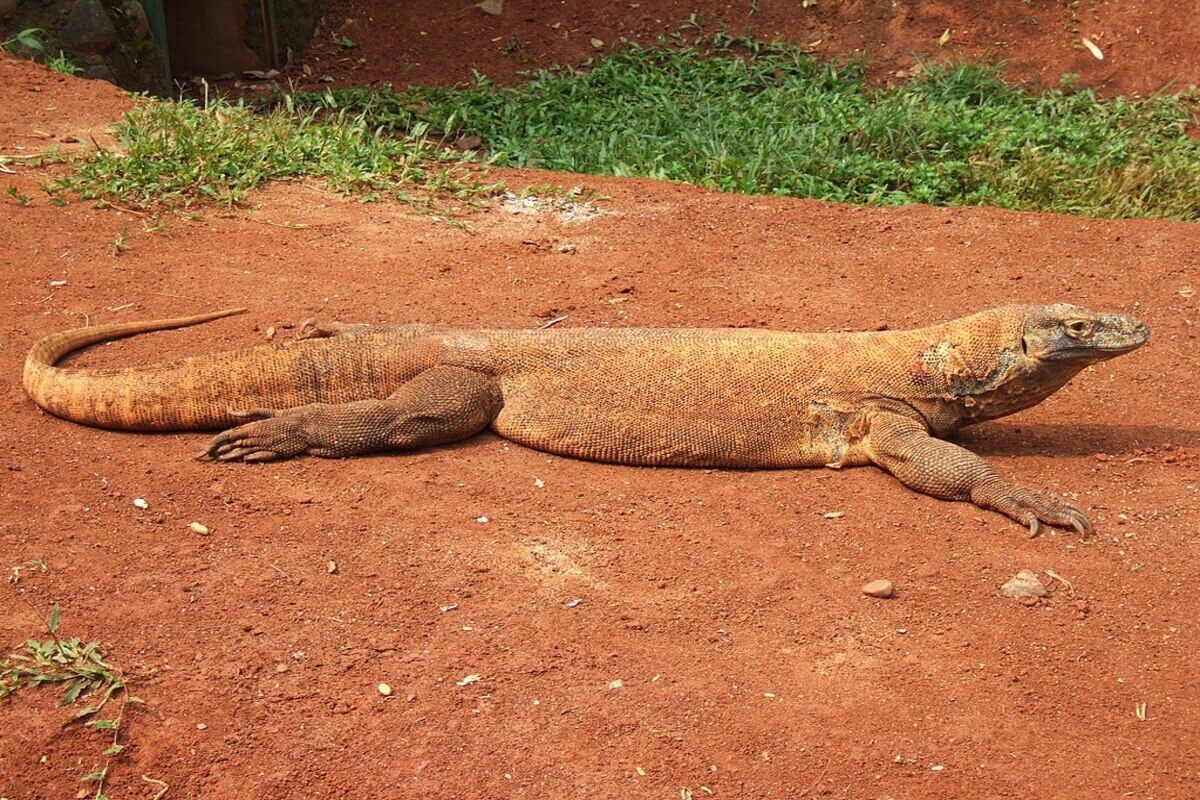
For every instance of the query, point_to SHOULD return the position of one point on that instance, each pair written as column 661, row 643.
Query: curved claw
column 1035, row 511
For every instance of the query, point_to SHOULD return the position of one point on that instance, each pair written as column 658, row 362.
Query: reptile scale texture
column 656, row 397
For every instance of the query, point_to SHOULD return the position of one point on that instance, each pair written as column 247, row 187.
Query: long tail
column 197, row 393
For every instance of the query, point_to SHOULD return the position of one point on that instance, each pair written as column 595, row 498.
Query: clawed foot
column 1033, row 510
column 273, row 435
column 315, row 328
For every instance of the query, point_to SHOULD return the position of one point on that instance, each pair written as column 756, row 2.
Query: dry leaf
column 597, row 43
column 834, row 514
column 468, row 680
column 493, row 7
column 1092, row 48
column 945, row 37
column 1186, row 291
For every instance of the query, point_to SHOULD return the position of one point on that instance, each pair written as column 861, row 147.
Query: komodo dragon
column 705, row 397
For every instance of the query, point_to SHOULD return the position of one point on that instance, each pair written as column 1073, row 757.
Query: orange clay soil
column 724, row 602
column 1147, row 45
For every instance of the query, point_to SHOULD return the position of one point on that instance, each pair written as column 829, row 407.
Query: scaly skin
column 709, row 397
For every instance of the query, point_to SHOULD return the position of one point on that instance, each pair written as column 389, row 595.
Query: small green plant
column 512, row 45
column 61, row 64
column 347, row 43
column 85, row 674
column 118, row 245
column 27, row 38
column 22, row 199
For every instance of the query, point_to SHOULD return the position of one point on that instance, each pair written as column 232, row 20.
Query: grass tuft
column 745, row 116
column 175, row 154
column 84, row 672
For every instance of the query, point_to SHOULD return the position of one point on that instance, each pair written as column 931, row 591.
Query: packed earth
column 483, row 620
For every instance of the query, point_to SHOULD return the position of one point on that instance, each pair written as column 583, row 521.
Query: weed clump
column 176, row 153
column 740, row 115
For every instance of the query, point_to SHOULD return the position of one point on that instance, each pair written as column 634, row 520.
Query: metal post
column 158, row 28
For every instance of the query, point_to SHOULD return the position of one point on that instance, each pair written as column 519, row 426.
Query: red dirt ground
column 725, row 602
column 1147, row 45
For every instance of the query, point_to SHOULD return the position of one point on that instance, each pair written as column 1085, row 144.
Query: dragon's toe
column 272, row 437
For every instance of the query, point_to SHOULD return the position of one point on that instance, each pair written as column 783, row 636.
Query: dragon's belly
column 673, row 435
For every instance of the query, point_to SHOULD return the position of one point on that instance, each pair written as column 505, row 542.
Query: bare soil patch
column 1146, row 45
column 725, row 603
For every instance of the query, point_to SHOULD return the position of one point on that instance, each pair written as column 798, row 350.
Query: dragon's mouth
column 1086, row 351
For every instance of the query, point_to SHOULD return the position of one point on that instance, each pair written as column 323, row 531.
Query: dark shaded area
column 1040, row 439
column 229, row 36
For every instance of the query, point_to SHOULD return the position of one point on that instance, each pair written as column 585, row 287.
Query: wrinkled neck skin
column 1024, row 388
column 976, row 369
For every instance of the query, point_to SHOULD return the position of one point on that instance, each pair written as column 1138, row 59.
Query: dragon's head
column 1062, row 334
column 1020, row 355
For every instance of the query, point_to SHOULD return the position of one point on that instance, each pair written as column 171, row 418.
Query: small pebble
column 331, row 567
column 385, row 690
column 141, row 503
column 199, row 528
column 1024, row 584
column 880, row 588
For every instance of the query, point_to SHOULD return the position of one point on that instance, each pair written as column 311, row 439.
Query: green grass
column 174, row 154
column 744, row 116
column 86, row 675
column 63, row 65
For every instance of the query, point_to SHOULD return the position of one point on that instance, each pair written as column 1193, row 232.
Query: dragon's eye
column 1077, row 327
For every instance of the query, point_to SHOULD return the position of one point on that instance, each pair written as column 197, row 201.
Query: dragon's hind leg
column 442, row 404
